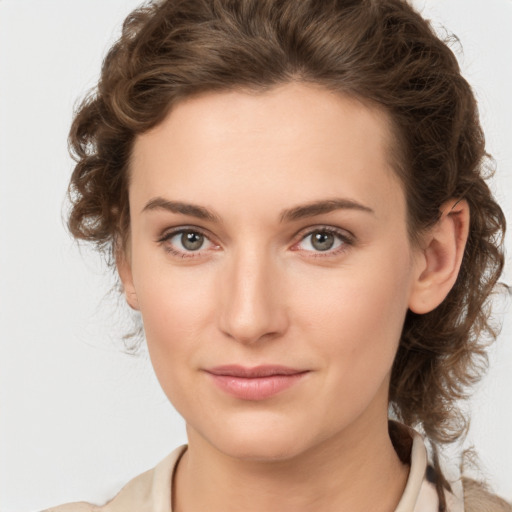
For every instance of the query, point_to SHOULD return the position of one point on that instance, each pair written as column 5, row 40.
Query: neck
column 356, row 470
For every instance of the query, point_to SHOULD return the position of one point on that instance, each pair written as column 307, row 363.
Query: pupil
column 192, row 241
column 322, row 241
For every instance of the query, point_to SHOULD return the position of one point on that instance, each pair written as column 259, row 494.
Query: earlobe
column 124, row 270
column 441, row 257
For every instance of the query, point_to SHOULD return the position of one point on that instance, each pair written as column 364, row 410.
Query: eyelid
column 347, row 238
column 169, row 233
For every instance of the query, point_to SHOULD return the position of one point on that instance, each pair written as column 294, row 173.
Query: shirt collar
column 420, row 494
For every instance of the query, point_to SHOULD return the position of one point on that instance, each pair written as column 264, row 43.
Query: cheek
column 175, row 310
column 174, row 302
column 356, row 315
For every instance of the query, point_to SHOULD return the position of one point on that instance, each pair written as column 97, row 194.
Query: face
column 269, row 258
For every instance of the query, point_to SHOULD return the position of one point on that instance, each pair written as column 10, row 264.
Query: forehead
column 297, row 138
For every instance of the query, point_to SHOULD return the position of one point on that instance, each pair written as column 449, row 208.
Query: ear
column 124, row 269
column 440, row 257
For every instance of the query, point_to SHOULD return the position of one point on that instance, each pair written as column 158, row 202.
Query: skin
column 259, row 292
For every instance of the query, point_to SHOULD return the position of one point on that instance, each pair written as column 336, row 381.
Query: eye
column 186, row 242
column 189, row 240
column 323, row 240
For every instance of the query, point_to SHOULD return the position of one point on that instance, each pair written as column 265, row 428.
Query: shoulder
column 141, row 494
column 73, row 507
column 134, row 494
column 477, row 498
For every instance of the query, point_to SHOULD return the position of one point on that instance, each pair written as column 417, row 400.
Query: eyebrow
column 159, row 203
column 320, row 207
column 292, row 214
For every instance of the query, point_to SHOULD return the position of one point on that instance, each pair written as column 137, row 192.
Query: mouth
column 256, row 383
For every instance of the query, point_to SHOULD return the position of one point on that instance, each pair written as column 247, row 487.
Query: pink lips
column 257, row 383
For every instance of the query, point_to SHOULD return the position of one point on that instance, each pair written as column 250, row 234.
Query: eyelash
column 346, row 240
column 168, row 235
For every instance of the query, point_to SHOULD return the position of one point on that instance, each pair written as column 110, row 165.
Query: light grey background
column 78, row 418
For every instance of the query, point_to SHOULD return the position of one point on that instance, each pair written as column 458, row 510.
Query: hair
column 478, row 498
column 381, row 52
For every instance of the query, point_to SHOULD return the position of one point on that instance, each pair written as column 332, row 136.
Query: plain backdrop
column 78, row 417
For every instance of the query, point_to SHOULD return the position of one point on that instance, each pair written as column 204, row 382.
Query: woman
column 294, row 196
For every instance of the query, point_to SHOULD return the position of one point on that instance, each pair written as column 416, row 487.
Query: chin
column 263, row 450
column 258, row 439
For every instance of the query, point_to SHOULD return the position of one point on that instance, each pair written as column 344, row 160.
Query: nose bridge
column 252, row 307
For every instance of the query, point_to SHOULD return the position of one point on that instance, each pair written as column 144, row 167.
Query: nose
column 252, row 305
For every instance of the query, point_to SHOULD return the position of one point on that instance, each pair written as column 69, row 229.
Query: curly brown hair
column 380, row 51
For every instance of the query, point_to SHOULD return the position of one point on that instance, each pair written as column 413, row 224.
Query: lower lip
column 255, row 388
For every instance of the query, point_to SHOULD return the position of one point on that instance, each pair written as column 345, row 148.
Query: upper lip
column 234, row 370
